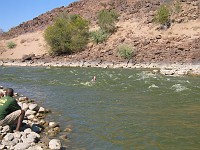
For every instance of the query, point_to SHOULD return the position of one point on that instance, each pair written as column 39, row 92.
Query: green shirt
column 7, row 106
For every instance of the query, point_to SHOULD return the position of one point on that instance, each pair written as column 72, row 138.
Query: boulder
column 55, row 144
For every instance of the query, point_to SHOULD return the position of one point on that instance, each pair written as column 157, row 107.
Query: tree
column 67, row 35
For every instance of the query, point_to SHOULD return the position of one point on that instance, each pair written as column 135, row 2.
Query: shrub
column 68, row 34
column 163, row 14
column 11, row 45
column 107, row 19
column 99, row 36
column 177, row 7
column 126, row 51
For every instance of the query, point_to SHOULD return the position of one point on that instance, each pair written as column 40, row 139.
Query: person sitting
column 10, row 112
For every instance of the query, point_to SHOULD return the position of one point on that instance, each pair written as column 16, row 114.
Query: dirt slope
column 179, row 43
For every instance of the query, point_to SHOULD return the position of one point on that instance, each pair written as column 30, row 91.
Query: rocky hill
column 179, row 43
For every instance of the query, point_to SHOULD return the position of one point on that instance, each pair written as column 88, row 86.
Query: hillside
column 179, row 43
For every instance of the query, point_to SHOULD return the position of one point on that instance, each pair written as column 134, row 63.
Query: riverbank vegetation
column 11, row 45
column 68, row 34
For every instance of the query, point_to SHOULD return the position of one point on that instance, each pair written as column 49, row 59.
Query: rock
column 53, row 124
column 53, row 131
column 30, row 112
column 34, row 107
column 42, row 122
column 34, row 135
column 36, row 147
column 28, row 130
column 28, row 140
column 25, row 106
column 27, row 57
column 40, row 115
column 2, row 146
column 21, row 146
column 9, row 137
column 9, row 143
column 45, row 140
column 17, row 134
column 41, row 110
column 30, row 117
column 67, row 129
column 55, row 144
column 21, row 99
column 5, row 129
column 63, row 137
column 20, row 104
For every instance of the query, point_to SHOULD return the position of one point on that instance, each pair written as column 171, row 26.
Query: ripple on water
column 179, row 88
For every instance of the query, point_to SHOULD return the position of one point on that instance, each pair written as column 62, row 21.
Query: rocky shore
column 36, row 132
column 175, row 69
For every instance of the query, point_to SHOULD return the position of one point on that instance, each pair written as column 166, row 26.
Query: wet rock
column 53, row 124
column 53, row 131
column 63, row 137
column 41, row 110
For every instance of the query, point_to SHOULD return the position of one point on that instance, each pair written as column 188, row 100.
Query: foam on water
column 178, row 88
column 146, row 75
column 87, row 83
column 153, row 86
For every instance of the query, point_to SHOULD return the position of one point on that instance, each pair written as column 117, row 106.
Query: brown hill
column 179, row 43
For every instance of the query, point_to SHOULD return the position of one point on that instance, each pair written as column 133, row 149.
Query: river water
column 124, row 109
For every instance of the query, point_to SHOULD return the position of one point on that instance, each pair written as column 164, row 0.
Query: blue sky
column 14, row 12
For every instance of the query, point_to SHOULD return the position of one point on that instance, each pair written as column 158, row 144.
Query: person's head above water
column 9, row 92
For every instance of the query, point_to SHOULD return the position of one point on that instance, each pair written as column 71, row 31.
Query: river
column 125, row 109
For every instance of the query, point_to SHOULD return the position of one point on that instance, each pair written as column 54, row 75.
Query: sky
column 15, row 12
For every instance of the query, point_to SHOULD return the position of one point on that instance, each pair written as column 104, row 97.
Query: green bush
column 99, row 36
column 126, row 51
column 107, row 19
column 11, row 45
column 68, row 34
column 163, row 14
column 177, row 7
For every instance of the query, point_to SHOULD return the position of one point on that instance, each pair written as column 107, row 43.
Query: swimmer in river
column 94, row 79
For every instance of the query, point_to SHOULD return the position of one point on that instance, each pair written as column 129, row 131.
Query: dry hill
column 179, row 43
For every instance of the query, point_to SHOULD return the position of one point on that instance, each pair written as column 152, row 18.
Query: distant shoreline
column 171, row 69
